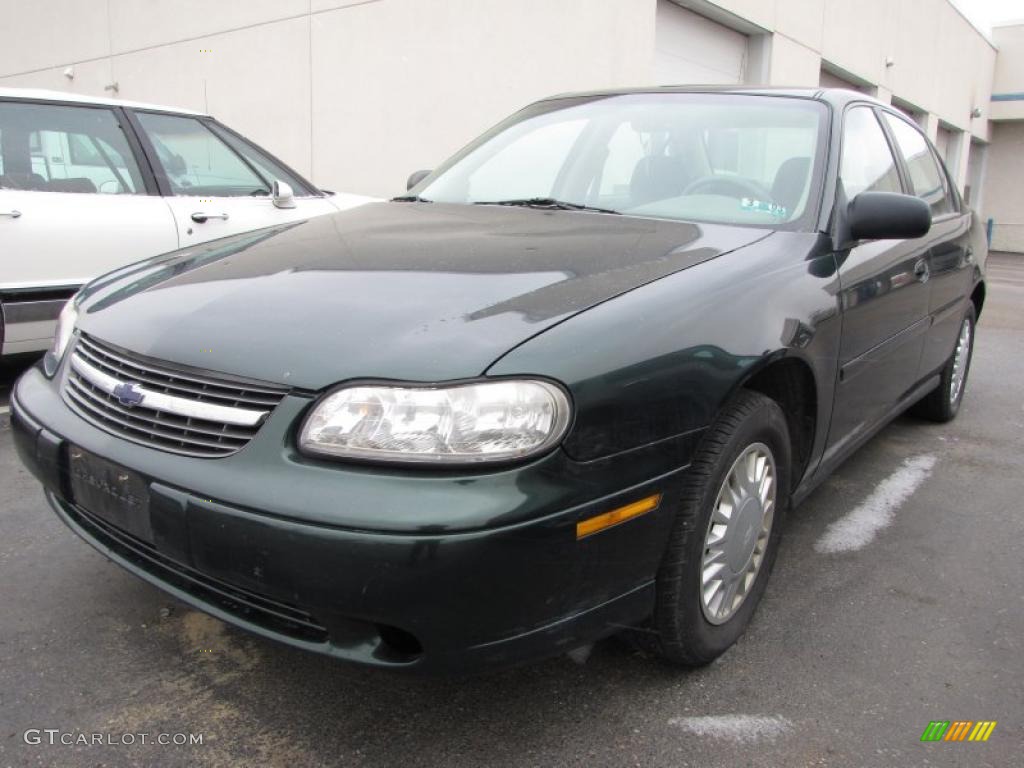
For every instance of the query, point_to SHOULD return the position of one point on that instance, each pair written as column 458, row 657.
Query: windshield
column 722, row 158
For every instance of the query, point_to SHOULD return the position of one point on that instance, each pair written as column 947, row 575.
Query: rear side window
column 927, row 179
column 197, row 162
column 56, row 148
column 867, row 164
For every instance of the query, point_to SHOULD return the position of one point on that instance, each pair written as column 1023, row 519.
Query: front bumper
column 355, row 563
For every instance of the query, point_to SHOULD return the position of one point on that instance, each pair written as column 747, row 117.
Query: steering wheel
column 730, row 186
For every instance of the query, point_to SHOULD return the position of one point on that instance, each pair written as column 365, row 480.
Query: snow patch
column 739, row 728
column 863, row 523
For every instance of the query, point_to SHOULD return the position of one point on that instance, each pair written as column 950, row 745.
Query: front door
column 217, row 184
column 73, row 205
column 883, row 297
column 950, row 259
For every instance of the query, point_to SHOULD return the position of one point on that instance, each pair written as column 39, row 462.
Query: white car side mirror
column 283, row 195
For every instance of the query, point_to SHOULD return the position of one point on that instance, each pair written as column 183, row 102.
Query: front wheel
column 943, row 403
column 726, row 534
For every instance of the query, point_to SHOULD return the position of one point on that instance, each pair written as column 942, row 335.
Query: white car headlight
column 466, row 423
column 65, row 327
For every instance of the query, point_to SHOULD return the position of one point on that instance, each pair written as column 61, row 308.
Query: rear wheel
column 726, row 534
column 943, row 403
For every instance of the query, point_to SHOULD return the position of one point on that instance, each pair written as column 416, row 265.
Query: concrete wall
column 359, row 93
column 1003, row 200
column 924, row 53
column 1008, row 83
column 1003, row 195
column 354, row 93
column 940, row 62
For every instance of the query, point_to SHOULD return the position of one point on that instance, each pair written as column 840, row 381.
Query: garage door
column 831, row 80
column 690, row 49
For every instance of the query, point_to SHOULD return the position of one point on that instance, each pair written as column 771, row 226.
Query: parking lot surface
column 895, row 601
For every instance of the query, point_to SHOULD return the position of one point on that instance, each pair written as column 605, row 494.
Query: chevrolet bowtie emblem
column 127, row 394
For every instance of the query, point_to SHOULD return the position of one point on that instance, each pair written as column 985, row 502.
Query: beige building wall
column 1008, row 82
column 923, row 53
column 359, row 93
column 1004, row 186
column 1003, row 183
column 355, row 94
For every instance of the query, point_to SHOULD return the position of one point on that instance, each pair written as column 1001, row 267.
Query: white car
column 90, row 184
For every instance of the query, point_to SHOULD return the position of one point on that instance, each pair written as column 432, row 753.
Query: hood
column 409, row 291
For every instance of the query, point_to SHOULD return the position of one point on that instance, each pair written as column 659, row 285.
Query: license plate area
column 111, row 492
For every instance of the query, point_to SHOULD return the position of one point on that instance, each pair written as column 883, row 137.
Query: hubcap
column 738, row 532
column 963, row 347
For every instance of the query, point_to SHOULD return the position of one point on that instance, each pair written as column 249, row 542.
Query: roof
column 77, row 98
column 836, row 96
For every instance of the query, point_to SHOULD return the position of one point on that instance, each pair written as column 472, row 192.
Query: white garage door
column 692, row 50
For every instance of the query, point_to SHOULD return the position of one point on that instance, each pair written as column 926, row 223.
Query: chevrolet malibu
column 568, row 385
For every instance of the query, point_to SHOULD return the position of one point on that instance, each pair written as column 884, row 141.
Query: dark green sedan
column 567, row 386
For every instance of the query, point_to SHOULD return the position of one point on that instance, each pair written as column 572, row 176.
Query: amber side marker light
column 598, row 523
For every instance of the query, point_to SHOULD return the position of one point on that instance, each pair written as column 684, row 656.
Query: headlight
column 465, row 423
column 65, row 327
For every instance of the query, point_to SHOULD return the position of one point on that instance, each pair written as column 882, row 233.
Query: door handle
column 14, row 214
column 922, row 271
column 201, row 218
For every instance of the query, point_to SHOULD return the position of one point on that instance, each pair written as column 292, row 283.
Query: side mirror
column 887, row 216
column 416, row 178
column 283, row 195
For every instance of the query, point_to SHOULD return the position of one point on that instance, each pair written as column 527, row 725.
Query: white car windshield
column 725, row 158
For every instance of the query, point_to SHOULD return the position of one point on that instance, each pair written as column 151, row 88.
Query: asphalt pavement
column 895, row 601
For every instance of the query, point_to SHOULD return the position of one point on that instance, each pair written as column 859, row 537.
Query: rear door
column 74, row 203
column 883, row 294
column 216, row 183
column 950, row 260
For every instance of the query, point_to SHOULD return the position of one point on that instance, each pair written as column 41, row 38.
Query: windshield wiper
column 547, row 202
column 410, row 199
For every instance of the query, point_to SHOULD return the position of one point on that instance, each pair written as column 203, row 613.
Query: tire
column 942, row 404
column 681, row 631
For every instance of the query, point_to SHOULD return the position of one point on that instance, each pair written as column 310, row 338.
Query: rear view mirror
column 283, row 195
column 887, row 216
column 416, row 178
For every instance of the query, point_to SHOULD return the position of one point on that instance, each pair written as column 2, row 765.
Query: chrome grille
column 180, row 412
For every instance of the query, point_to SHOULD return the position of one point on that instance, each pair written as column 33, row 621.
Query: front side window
column 724, row 158
column 867, row 164
column 196, row 162
column 926, row 177
column 265, row 165
column 56, row 148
